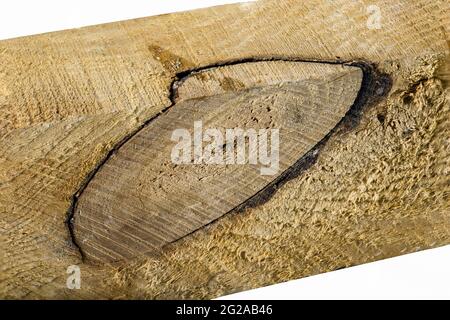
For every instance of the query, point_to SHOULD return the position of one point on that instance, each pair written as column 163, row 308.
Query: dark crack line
column 374, row 87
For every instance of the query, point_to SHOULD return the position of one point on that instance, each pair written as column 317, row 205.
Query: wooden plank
column 378, row 188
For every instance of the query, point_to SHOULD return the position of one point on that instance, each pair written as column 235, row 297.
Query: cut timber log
column 75, row 103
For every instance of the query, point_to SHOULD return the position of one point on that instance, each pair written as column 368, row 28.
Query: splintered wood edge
column 138, row 201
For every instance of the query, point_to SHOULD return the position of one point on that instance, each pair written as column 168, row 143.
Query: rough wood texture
column 377, row 188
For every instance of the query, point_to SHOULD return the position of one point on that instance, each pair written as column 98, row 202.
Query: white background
column 424, row 275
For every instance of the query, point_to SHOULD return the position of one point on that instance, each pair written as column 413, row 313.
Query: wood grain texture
column 378, row 190
column 140, row 200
